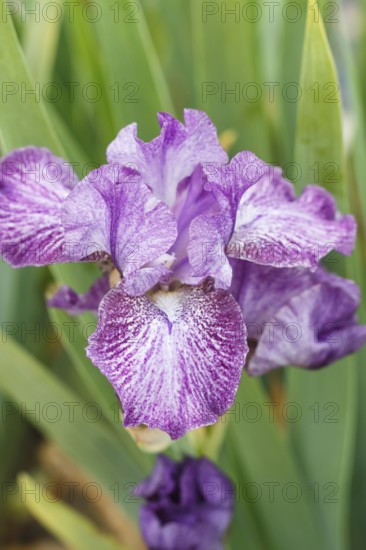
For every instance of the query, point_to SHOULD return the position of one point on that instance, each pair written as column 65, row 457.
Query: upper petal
column 258, row 218
column 206, row 248
column 166, row 160
column 211, row 232
column 113, row 211
column 175, row 359
column 33, row 185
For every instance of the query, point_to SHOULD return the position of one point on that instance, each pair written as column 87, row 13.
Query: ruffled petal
column 259, row 219
column 274, row 228
column 171, row 157
column 174, row 359
column 75, row 304
column 298, row 317
column 113, row 211
column 33, row 185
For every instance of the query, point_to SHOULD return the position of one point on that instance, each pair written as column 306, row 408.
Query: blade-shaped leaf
column 70, row 422
column 270, row 489
column 21, row 122
column 319, row 141
column 66, row 524
column 228, row 76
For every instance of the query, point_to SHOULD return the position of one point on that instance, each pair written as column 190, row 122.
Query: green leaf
column 267, row 478
column 21, row 122
column 78, row 429
column 319, row 142
column 353, row 85
column 323, row 440
column 66, row 524
column 21, row 308
column 286, row 72
column 133, row 79
column 93, row 385
column 40, row 42
column 228, row 76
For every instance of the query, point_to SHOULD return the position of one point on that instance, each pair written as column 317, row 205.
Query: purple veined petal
column 313, row 327
column 228, row 182
column 183, row 273
column 260, row 220
column 76, row 304
column 113, row 211
column 274, row 228
column 171, row 157
column 33, row 185
column 211, row 232
column 174, row 358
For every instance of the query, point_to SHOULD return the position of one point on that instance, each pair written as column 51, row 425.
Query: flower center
column 169, row 302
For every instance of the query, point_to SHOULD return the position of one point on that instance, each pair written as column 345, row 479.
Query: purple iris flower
column 169, row 221
column 189, row 505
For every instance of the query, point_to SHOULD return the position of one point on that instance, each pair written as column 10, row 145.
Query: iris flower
column 192, row 249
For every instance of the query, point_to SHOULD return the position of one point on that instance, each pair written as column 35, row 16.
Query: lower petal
column 315, row 328
column 75, row 304
column 174, row 358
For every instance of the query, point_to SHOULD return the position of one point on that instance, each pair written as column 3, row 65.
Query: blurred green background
column 282, row 79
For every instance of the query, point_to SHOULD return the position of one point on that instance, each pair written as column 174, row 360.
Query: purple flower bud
column 189, row 505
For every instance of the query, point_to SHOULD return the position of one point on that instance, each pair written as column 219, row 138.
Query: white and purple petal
column 274, row 228
column 33, row 185
column 113, row 211
column 174, row 358
column 171, row 157
column 259, row 219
